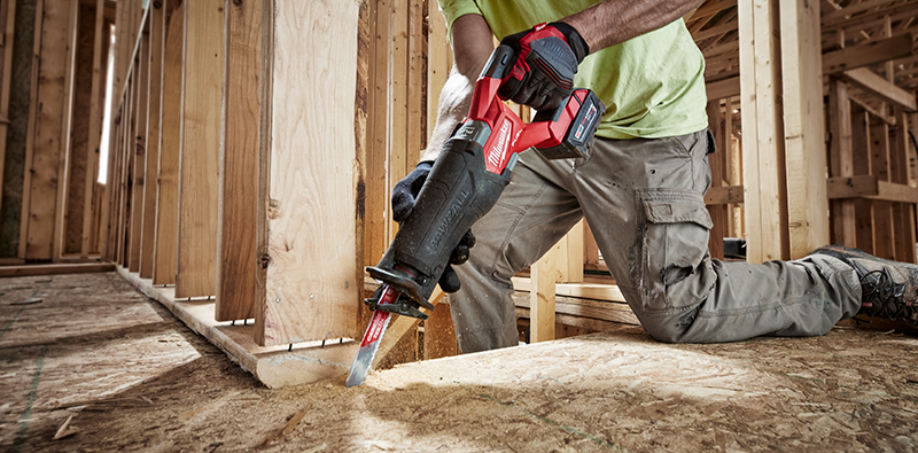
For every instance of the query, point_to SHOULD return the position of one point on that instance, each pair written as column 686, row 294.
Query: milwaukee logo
column 499, row 149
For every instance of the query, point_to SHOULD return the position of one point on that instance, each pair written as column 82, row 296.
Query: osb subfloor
column 135, row 379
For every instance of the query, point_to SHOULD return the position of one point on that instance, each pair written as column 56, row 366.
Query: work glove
column 404, row 196
column 546, row 61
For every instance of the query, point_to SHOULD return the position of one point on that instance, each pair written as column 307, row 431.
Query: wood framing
column 239, row 162
column 804, row 127
column 8, row 22
column 309, row 282
column 151, row 131
column 766, row 217
column 166, row 241
column 141, row 90
column 842, row 161
column 202, row 87
column 53, row 19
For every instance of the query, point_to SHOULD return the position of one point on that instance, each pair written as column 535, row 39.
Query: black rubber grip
column 458, row 192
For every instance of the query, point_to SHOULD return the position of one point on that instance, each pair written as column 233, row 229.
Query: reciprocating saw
column 466, row 180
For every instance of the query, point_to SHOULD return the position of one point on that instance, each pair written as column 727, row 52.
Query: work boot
column 889, row 289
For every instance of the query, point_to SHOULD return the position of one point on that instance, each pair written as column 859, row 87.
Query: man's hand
column 404, row 196
column 547, row 59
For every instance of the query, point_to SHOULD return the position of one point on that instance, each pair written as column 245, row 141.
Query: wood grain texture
column 760, row 84
column 8, row 22
column 63, row 164
column 139, row 140
column 166, row 241
column 804, row 127
column 92, row 207
column 377, row 202
column 863, row 209
column 154, row 73
column 545, row 274
column 904, row 213
column 196, row 274
column 49, row 69
column 884, row 231
column 80, row 166
column 238, row 161
column 308, row 285
column 841, row 161
column 440, row 335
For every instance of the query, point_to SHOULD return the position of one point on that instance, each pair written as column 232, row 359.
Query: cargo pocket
column 675, row 245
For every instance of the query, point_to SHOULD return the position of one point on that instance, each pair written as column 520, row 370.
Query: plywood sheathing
column 135, row 379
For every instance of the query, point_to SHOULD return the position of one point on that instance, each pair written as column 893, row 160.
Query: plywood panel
column 196, row 274
column 310, row 282
column 238, row 160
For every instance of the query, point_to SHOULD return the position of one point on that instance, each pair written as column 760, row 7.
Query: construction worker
column 641, row 186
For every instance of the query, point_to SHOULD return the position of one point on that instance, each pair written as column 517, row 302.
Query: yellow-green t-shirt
column 652, row 85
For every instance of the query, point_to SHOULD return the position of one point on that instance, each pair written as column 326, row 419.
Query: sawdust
column 135, row 379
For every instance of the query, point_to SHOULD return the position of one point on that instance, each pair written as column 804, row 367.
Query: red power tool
column 463, row 185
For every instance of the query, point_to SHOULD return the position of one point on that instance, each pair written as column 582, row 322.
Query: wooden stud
column 151, row 130
column 545, row 274
column 766, row 218
column 399, row 162
column 416, row 132
column 62, row 182
column 377, row 192
column 77, row 138
column 571, row 262
column 238, row 161
column 141, row 98
column 53, row 19
column 717, row 211
column 590, row 250
column 196, row 274
column 166, row 241
column 100, row 56
column 842, row 160
column 307, row 287
column 884, row 233
column 440, row 335
column 904, row 214
column 863, row 209
column 804, row 127
column 8, row 22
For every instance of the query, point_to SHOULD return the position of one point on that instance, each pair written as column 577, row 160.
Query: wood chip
column 63, row 431
column 28, row 302
column 288, row 428
column 188, row 415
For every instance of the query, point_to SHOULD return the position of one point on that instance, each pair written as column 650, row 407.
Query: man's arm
column 613, row 22
column 472, row 45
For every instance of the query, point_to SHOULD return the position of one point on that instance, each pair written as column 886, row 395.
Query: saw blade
column 371, row 340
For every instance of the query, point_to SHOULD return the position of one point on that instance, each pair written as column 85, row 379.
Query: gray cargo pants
column 644, row 202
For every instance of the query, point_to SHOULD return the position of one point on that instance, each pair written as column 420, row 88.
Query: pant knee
column 671, row 326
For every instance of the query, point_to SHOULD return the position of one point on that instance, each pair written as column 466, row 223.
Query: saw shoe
column 889, row 289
